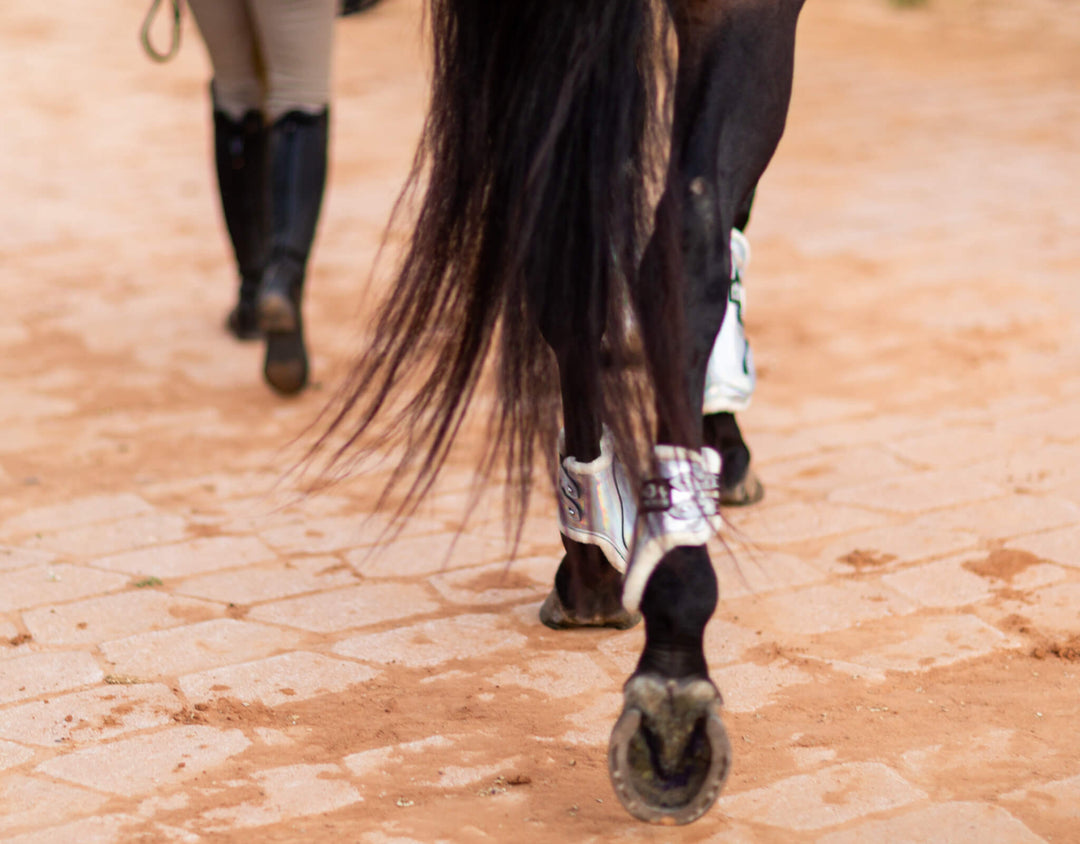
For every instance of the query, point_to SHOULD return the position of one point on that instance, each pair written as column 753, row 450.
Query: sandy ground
column 193, row 653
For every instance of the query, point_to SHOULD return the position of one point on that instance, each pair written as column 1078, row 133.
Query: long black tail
column 537, row 160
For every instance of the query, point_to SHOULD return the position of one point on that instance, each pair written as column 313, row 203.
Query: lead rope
column 144, row 33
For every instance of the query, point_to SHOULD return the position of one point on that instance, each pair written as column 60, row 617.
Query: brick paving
column 191, row 650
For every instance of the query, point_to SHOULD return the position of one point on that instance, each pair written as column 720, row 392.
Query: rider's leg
column 239, row 145
column 295, row 43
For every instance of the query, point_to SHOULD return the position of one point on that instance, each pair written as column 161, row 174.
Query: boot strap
column 680, row 505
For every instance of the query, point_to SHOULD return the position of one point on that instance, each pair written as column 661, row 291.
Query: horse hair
column 545, row 139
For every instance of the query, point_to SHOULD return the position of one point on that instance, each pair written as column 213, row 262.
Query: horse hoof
column 745, row 491
column 555, row 615
column 669, row 753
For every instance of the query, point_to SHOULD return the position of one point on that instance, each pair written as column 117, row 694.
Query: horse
column 582, row 162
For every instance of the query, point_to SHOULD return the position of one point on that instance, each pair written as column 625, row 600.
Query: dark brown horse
column 580, row 160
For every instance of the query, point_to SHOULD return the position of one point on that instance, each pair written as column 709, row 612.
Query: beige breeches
column 268, row 55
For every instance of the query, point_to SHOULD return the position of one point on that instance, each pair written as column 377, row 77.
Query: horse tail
column 535, row 169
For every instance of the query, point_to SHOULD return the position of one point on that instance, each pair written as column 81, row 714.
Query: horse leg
column 669, row 755
column 739, row 484
column 588, row 583
column 730, row 382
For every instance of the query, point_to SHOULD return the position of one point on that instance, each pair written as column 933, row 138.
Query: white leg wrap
column 596, row 503
column 731, row 377
column 680, row 506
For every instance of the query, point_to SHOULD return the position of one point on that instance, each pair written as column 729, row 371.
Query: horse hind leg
column 588, row 584
column 596, row 511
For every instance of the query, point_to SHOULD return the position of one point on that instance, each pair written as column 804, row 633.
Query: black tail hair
column 541, row 148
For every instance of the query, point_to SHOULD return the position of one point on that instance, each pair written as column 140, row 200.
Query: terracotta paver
column 30, row 802
column 286, row 793
column 192, row 648
column 829, row 797
column 140, row 765
column 91, row 716
column 52, row 671
column 194, row 557
column 47, row 584
column 97, row 620
column 942, row 823
column 293, row 676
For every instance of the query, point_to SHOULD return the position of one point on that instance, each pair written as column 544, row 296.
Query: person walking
column 270, row 97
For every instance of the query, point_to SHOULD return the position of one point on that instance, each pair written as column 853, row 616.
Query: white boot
column 730, row 377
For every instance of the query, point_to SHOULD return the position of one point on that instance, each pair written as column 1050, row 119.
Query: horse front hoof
column 554, row 614
column 669, row 753
column 743, row 492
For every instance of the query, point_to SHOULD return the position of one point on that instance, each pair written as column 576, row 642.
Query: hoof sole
column 669, row 754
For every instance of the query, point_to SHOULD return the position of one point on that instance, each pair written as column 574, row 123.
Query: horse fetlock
column 669, row 753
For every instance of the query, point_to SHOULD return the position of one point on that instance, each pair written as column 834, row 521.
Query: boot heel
column 286, row 364
column 276, row 313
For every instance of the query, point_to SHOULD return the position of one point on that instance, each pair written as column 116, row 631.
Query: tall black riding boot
column 240, row 156
column 297, row 149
